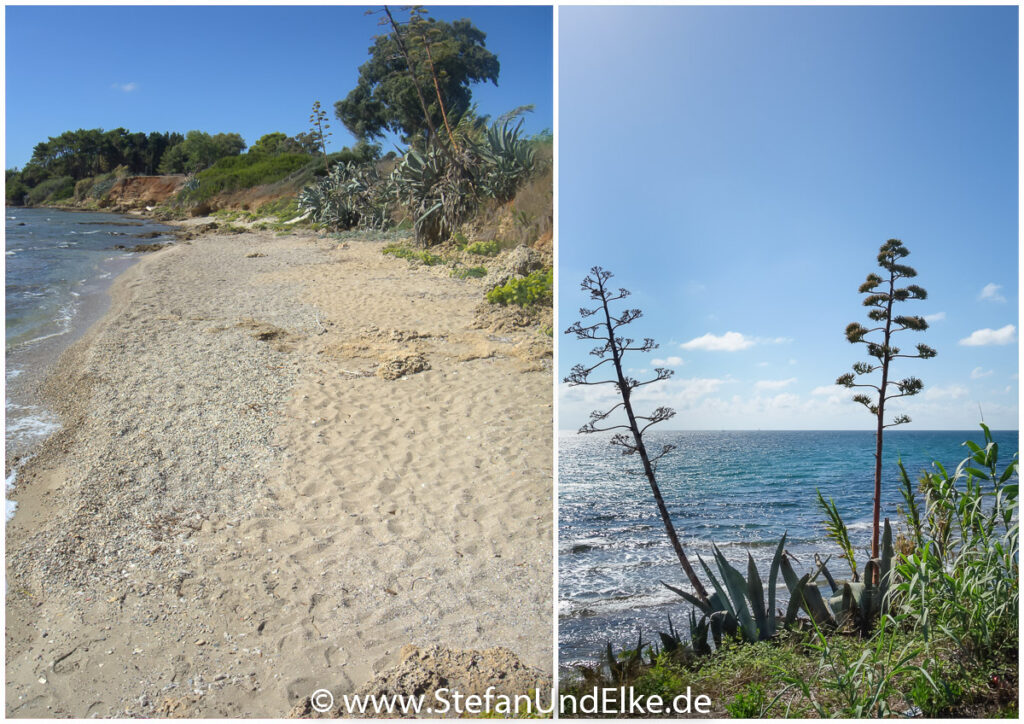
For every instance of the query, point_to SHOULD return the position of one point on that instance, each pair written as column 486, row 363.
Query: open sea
column 741, row 490
column 58, row 267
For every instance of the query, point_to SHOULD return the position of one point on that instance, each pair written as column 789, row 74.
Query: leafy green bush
column 665, row 679
column 960, row 581
column 54, row 189
column 243, row 172
column 404, row 252
column 284, row 209
column 526, row 292
column 748, row 704
column 471, row 272
column 15, row 187
column 484, row 248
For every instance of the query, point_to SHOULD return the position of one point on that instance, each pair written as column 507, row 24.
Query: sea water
column 739, row 490
column 58, row 267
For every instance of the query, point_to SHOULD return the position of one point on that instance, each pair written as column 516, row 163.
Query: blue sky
column 737, row 168
column 248, row 70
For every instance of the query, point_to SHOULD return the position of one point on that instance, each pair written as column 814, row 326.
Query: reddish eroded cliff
column 136, row 192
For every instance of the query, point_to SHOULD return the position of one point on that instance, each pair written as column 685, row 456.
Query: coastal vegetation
column 466, row 185
column 881, row 313
column 533, row 289
column 611, row 349
column 929, row 629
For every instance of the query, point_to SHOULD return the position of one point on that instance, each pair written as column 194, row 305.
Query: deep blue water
column 741, row 490
column 58, row 267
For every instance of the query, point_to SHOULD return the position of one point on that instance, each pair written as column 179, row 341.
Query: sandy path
column 239, row 511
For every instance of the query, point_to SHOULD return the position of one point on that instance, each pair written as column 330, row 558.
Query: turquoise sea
column 741, row 490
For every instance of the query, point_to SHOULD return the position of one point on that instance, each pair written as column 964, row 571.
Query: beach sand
column 249, row 501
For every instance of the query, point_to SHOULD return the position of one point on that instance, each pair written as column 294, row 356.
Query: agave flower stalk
column 612, row 349
column 881, row 312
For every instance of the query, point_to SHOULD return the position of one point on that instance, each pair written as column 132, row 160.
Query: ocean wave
column 36, row 340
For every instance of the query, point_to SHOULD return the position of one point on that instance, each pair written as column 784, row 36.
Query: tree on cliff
column 419, row 68
column 883, row 351
column 200, row 150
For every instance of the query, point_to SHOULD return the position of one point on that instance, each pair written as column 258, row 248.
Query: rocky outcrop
column 515, row 264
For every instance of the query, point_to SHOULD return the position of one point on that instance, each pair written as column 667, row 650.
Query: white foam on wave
column 40, row 339
column 37, row 425
column 11, row 505
column 860, row 525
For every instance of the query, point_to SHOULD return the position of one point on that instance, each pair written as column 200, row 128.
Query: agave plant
column 855, row 603
column 350, row 195
column 738, row 604
column 860, row 603
column 438, row 188
column 508, row 161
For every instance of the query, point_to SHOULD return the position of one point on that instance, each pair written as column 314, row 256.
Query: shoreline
column 238, row 509
column 29, row 361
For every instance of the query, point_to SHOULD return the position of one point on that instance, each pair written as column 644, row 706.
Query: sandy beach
column 283, row 459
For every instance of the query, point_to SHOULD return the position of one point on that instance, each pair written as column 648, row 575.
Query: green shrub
column 748, row 704
column 283, row 210
column 936, row 694
column 83, row 187
column 484, row 248
column 54, row 189
column 664, row 679
column 15, row 188
column 472, row 272
column 404, row 252
column 243, row 172
column 526, row 292
column 102, row 185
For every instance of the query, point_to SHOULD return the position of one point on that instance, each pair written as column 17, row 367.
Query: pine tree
column 612, row 349
column 883, row 352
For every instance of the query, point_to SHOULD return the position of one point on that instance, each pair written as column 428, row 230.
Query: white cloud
column 990, row 292
column 985, row 337
column 668, row 361
column 937, row 317
column 977, row 373
column 773, row 384
column 728, row 342
column 952, row 392
column 827, row 390
column 126, row 87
